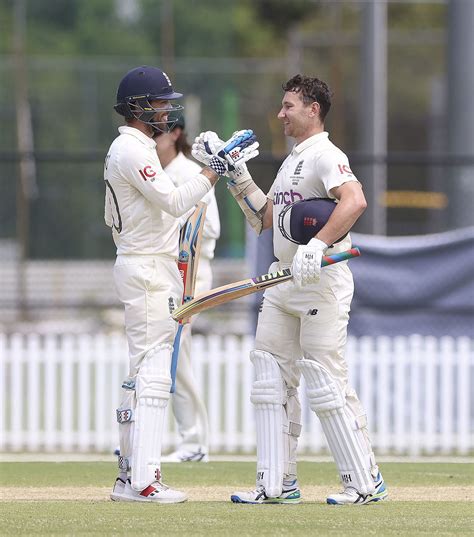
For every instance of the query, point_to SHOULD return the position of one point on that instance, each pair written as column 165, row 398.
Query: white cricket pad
column 342, row 431
column 126, row 420
column 152, row 389
column 268, row 396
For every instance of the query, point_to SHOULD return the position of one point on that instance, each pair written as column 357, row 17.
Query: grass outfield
column 65, row 498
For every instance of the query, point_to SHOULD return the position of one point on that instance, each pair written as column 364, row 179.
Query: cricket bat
column 188, row 262
column 231, row 291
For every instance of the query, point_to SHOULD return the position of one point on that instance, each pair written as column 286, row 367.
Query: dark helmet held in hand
column 300, row 221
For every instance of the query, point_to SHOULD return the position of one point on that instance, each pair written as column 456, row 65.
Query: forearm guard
column 250, row 198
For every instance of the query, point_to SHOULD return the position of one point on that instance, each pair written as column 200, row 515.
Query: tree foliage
column 77, row 50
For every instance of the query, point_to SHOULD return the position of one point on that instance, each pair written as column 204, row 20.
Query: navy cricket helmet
column 138, row 88
column 300, row 221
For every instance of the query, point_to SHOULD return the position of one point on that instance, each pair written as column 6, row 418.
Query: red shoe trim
column 147, row 491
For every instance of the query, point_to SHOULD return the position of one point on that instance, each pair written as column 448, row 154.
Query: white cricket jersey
column 142, row 205
column 311, row 170
column 181, row 169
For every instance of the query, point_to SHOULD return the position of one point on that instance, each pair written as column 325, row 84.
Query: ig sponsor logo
column 147, row 173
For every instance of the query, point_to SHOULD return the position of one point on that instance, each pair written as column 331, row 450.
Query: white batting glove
column 225, row 157
column 205, row 147
column 239, row 148
column 306, row 266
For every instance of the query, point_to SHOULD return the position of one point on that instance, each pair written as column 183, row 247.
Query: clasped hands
column 224, row 157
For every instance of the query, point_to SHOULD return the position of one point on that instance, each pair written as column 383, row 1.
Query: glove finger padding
column 205, row 146
column 212, row 142
column 306, row 266
column 239, row 148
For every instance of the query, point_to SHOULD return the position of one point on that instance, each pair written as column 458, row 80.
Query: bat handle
column 341, row 256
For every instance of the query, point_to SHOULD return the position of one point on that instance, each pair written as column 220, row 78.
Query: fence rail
column 58, row 392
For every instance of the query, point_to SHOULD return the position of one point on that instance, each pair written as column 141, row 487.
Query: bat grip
column 341, row 256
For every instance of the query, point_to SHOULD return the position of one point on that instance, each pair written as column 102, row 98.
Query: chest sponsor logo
column 285, row 198
column 345, row 170
column 147, row 173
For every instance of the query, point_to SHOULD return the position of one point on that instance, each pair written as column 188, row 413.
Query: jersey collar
column 146, row 140
column 312, row 140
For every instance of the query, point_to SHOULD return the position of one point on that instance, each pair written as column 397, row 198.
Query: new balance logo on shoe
column 312, row 312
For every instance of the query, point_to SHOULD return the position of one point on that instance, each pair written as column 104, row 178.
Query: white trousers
column 188, row 406
column 312, row 323
column 148, row 287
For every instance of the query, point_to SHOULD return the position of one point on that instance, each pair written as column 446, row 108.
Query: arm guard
column 249, row 196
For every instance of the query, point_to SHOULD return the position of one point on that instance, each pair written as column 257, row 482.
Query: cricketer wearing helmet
column 143, row 207
column 189, row 408
column 309, row 313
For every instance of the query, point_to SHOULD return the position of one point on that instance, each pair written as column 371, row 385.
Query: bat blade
column 188, row 261
column 189, row 249
column 231, row 291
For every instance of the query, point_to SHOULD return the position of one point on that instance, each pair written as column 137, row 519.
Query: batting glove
column 206, row 146
column 225, row 157
column 306, row 266
column 239, row 148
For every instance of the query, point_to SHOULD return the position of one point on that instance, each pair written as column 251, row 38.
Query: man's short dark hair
column 312, row 90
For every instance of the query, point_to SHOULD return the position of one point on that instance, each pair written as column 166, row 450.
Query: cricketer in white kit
column 302, row 326
column 143, row 207
column 188, row 406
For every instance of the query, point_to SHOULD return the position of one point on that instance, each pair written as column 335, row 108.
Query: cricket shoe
column 350, row 496
column 183, row 455
column 119, row 486
column 156, row 492
column 258, row 496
